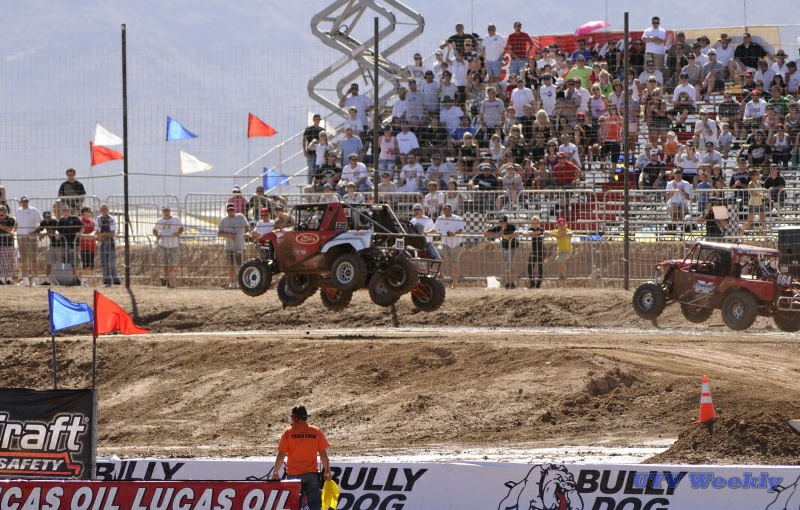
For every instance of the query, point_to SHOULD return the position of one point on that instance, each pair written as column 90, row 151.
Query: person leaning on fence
column 8, row 255
column 301, row 443
column 106, row 230
column 450, row 227
column 563, row 237
column 28, row 220
column 536, row 256
column 69, row 231
column 507, row 233
column 47, row 230
column 232, row 227
column 167, row 230
column 88, row 244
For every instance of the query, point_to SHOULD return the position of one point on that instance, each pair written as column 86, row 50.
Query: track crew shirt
column 301, row 442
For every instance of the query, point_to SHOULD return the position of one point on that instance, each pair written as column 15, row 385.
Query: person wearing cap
column 301, row 443
column 701, row 58
column 519, row 44
column 411, row 175
column 237, row 200
column 429, row 92
column 28, row 219
column 581, row 70
column 456, row 41
column 712, row 75
column 654, row 174
column 256, row 202
column 749, row 84
column 168, row 230
column 684, row 99
column 509, row 244
column 310, row 153
column 8, row 254
column 68, row 233
column 106, row 230
column 450, row 227
column 72, row 191
column 265, row 224
column 759, row 153
column 654, row 38
column 754, row 111
column 570, row 103
column 450, row 115
column 725, row 56
column 563, row 236
column 362, row 103
column 547, row 94
column 356, row 172
column 780, row 66
column 233, row 227
column 748, row 54
column 421, row 223
column 684, row 49
column 679, row 194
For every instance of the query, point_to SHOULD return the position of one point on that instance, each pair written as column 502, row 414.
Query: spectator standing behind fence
column 238, row 201
column 256, row 203
column 450, row 227
column 88, row 244
column 72, row 190
column 536, row 256
column 507, row 233
column 282, row 218
column 311, row 133
column 8, row 255
column 233, row 227
column 28, row 220
column 47, row 229
column 167, row 230
column 68, row 229
column 301, row 443
column 654, row 37
column 106, row 228
column 264, row 225
column 563, row 237
column 362, row 103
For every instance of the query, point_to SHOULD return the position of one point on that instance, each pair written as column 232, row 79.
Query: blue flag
column 274, row 179
column 65, row 314
column 177, row 132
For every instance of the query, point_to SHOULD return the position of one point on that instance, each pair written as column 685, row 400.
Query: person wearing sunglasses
column 654, row 38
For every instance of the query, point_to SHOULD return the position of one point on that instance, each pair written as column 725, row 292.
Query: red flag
column 109, row 317
column 102, row 154
column 256, row 127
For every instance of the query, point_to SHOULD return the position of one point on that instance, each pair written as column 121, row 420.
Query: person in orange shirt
column 301, row 442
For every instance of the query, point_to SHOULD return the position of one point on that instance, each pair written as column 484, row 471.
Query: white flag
column 191, row 165
column 106, row 138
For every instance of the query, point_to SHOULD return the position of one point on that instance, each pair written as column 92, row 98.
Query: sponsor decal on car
column 307, row 238
column 704, row 287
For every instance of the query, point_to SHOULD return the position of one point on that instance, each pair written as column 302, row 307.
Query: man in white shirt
column 794, row 77
column 430, row 94
column 400, row 105
column 355, row 172
column 420, row 222
column 764, row 73
column 417, row 69
column 585, row 96
column 570, row 150
column 779, row 66
column 494, row 48
column 265, row 224
column 754, row 111
column 167, row 231
column 678, row 194
column 406, row 142
column 410, row 180
column 492, row 110
column 450, row 115
column 362, row 103
column 28, row 220
column 547, row 94
column 654, row 38
column 725, row 55
column 521, row 96
column 433, row 200
column 439, row 171
column 450, row 227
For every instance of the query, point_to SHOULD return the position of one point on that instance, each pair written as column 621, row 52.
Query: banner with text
column 80, row 495
column 504, row 486
column 47, row 433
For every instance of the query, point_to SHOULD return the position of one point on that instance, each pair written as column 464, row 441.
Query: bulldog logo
column 788, row 497
column 545, row 487
column 307, row 239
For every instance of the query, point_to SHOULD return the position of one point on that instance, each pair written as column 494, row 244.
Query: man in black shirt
column 311, row 133
column 8, row 255
column 748, row 54
column 775, row 183
column 509, row 244
column 536, row 257
column 68, row 231
column 47, row 228
column 73, row 190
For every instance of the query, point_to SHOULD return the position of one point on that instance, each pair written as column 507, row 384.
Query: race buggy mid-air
column 339, row 248
column 744, row 282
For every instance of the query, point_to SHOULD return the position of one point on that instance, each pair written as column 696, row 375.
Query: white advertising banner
column 506, row 486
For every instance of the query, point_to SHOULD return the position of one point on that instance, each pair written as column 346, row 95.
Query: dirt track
column 461, row 382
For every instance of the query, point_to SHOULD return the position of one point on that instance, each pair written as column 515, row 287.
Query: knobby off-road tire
column 302, row 285
column 402, row 276
column 285, row 295
column 335, row 299
column 349, row 272
column 381, row 293
column 739, row 310
column 429, row 294
column 788, row 321
column 696, row 314
column 254, row 278
column 649, row 301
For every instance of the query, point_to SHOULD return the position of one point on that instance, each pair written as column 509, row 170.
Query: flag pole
column 125, row 160
column 55, row 375
column 94, row 344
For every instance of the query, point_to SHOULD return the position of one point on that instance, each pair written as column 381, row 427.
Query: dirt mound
column 762, row 437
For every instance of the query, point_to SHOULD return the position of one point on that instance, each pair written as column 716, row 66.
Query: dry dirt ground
column 493, row 368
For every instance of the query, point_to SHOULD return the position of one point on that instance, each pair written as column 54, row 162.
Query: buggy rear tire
column 285, row 295
column 402, row 276
column 335, row 299
column 429, row 294
column 789, row 322
column 739, row 310
column 381, row 293
column 302, row 285
column 696, row 314
column 649, row 301
column 254, row 277
column 349, row 272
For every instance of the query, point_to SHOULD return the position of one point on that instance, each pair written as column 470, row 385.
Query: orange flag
column 256, row 127
column 102, row 154
column 109, row 317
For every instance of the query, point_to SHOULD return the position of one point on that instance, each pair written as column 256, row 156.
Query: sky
column 208, row 63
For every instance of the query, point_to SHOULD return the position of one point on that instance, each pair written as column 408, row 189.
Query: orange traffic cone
column 707, row 412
